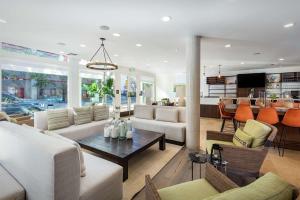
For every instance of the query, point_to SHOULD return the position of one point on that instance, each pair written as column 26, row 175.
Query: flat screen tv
column 251, row 80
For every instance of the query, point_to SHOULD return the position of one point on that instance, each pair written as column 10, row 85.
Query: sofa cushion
column 80, row 154
column 209, row 144
column 103, row 180
column 57, row 119
column 77, row 132
column 192, row 190
column 10, row 188
column 166, row 114
column 242, row 139
column 100, row 112
column 82, row 115
column 267, row 187
column 143, row 111
column 173, row 131
column 258, row 131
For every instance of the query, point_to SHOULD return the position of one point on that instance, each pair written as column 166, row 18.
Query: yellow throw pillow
column 242, row 139
column 258, row 131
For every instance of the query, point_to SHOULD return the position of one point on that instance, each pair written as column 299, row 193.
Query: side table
column 197, row 157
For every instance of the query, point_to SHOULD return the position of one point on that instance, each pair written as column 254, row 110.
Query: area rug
column 149, row 162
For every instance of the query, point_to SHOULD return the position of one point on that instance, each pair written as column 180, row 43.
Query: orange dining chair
column 224, row 115
column 291, row 119
column 242, row 114
column 268, row 115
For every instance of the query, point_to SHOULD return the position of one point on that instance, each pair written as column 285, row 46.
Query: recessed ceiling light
column 227, row 46
column 3, row 21
column 148, row 64
column 289, row 25
column 242, row 63
column 104, row 28
column 138, row 45
column 116, row 55
column 61, row 52
column 82, row 45
column 281, row 59
column 165, row 61
column 61, row 43
column 116, row 34
column 166, row 18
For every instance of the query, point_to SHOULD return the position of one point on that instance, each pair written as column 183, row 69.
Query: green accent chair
column 216, row 186
column 246, row 161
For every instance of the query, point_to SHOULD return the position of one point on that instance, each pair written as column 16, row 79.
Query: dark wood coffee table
column 120, row 151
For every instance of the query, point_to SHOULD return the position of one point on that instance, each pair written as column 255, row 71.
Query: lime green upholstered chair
column 216, row 186
column 249, row 157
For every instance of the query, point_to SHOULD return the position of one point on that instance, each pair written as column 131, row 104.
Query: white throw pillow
column 143, row 111
column 81, row 158
column 100, row 112
column 83, row 115
column 166, row 114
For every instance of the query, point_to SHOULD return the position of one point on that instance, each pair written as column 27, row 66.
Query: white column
column 193, row 92
column 74, row 85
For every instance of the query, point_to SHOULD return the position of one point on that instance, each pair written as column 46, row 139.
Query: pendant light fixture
column 105, row 64
column 219, row 76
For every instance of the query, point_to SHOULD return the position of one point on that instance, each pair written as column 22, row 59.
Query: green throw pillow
column 267, row 187
column 258, row 131
column 242, row 139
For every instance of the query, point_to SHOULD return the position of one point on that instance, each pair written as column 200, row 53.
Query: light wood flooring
column 178, row 170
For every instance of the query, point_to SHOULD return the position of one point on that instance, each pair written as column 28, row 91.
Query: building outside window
column 26, row 92
column 124, row 92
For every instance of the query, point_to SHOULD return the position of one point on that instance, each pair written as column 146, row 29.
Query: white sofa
column 48, row 168
column 163, row 119
column 73, row 132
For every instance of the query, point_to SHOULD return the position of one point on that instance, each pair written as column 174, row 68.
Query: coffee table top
column 141, row 139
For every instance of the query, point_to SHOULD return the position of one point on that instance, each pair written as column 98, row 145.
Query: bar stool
column 269, row 116
column 242, row 114
column 225, row 115
column 290, row 119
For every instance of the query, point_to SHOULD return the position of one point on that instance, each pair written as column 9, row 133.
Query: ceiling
column 250, row 26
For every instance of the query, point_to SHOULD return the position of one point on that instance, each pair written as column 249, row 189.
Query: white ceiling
column 248, row 25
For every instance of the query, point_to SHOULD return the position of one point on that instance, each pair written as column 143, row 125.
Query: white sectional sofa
column 73, row 132
column 48, row 168
column 163, row 119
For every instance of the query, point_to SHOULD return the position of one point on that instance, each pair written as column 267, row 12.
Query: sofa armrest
column 215, row 135
column 150, row 189
column 218, row 179
column 246, row 160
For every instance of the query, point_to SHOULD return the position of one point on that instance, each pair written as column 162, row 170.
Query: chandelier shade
column 104, row 65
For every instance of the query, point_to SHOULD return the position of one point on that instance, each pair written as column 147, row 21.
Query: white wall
column 165, row 84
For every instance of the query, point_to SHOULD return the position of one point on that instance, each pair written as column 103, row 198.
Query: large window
column 90, row 91
column 97, row 90
column 147, row 92
column 124, row 92
column 26, row 92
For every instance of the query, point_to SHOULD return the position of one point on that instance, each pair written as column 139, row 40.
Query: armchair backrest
column 48, row 168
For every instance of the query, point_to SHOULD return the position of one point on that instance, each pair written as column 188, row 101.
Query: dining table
column 231, row 108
